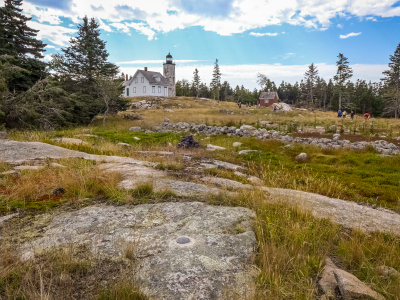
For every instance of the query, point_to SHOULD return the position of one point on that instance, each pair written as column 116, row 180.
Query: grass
column 292, row 244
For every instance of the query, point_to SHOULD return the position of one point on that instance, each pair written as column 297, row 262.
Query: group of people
column 344, row 114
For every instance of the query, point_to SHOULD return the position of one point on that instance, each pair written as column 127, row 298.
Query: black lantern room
column 169, row 58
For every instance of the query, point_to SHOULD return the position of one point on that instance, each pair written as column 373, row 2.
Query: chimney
column 126, row 77
column 145, row 68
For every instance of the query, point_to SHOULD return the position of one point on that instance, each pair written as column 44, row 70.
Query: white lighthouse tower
column 169, row 73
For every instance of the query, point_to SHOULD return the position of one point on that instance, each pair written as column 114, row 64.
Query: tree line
column 313, row 92
column 71, row 90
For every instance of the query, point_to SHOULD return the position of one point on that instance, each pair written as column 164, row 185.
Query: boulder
column 352, row 288
column 29, row 167
column 237, row 144
column 133, row 117
column 336, row 136
column 135, row 128
column 247, row 127
column 188, row 142
column 136, row 138
column 185, row 250
column 123, row 144
column 302, row 157
column 213, row 147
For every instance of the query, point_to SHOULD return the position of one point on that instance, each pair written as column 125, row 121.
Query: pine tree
column 311, row 77
column 85, row 59
column 392, row 85
column 17, row 39
column 196, row 81
column 344, row 73
column 216, row 80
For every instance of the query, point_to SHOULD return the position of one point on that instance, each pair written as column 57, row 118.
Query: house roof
column 150, row 76
column 268, row 95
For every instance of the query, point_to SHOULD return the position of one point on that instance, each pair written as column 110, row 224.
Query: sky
column 278, row 38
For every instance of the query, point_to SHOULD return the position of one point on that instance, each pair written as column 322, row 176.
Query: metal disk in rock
column 183, row 250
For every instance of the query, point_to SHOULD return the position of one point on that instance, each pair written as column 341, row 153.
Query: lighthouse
column 169, row 73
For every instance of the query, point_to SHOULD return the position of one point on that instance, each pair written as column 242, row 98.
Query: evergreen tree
column 216, row 80
column 265, row 83
column 196, row 82
column 84, row 60
column 344, row 73
column 392, row 85
column 311, row 77
column 17, row 39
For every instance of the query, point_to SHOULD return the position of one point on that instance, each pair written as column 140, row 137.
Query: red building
column 268, row 98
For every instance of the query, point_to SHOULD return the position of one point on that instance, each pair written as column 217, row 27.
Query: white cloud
column 235, row 16
column 373, row 19
column 56, row 34
column 247, row 74
column 340, row 26
column 263, row 34
column 345, row 36
column 47, row 58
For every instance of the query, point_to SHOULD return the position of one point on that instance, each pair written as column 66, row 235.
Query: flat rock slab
column 70, row 141
column 348, row 213
column 184, row 250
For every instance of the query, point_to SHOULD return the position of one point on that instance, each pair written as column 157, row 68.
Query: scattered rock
column 213, row 147
column 352, row 288
column 59, row 191
column 386, row 271
column 56, row 165
column 29, row 167
column 135, row 128
column 302, row 157
column 188, row 142
column 11, row 172
column 3, row 135
column 86, row 135
column 123, row 144
column 255, row 180
column 136, row 138
column 336, row 136
column 133, row 117
column 169, row 110
column 70, row 141
column 328, row 282
column 247, row 151
column 237, row 144
column 179, row 247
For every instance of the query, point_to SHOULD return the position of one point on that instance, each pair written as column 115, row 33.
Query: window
column 144, row 89
column 134, row 90
column 127, row 91
column 267, row 101
column 136, row 80
column 142, row 79
column 159, row 89
column 153, row 89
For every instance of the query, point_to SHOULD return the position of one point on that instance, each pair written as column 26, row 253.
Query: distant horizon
column 277, row 38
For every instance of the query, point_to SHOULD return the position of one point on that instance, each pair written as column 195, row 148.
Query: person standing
column 339, row 113
column 352, row 114
column 366, row 116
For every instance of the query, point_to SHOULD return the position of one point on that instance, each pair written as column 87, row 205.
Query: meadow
column 292, row 244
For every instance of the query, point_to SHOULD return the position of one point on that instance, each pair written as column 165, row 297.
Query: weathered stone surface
column 87, row 135
column 352, row 288
column 214, row 163
column 3, row 135
column 213, row 147
column 302, row 157
column 7, row 217
column 56, row 165
column 386, row 271
column 156, row 153
column 223, row 182
column 237, row 144
column 123, row 144
column 135, row 128
column 328, row 282
column 136, row 138
column 183, row 250
column 70, row 141
column 10, row 172
column 188, row 142
column 29, row 167
column 247, row 151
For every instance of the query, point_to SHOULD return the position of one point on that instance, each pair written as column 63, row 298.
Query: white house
column 148, row 83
